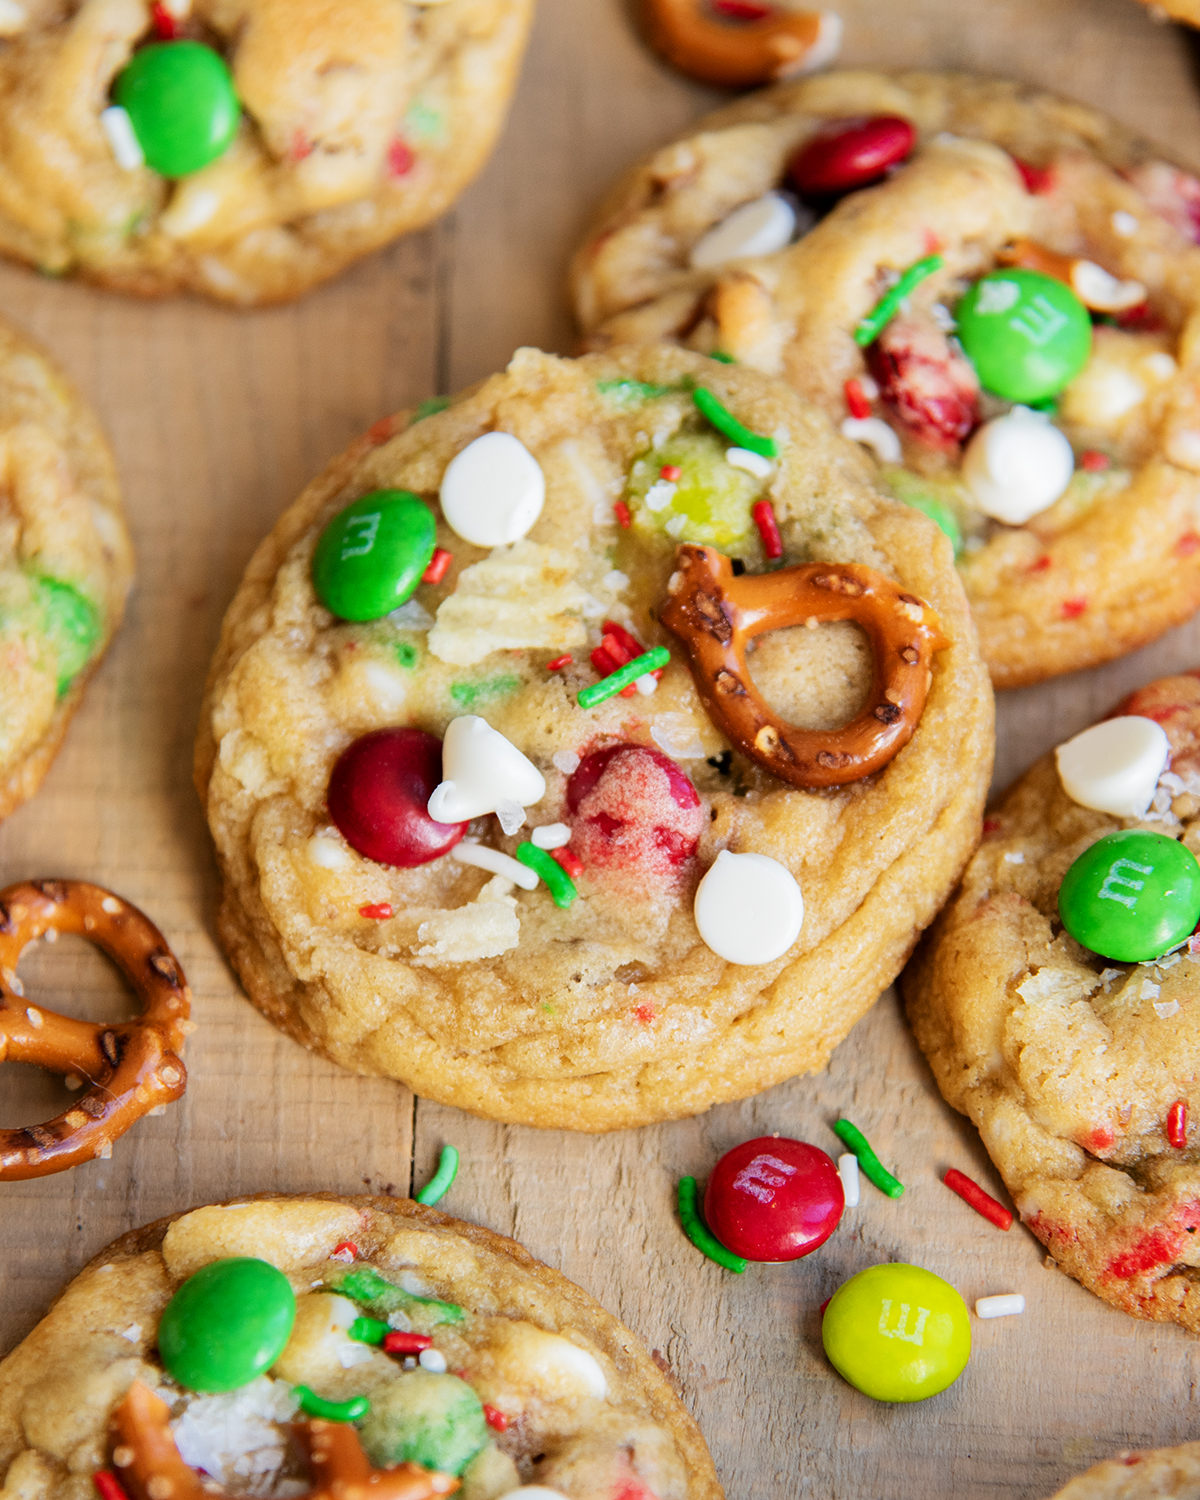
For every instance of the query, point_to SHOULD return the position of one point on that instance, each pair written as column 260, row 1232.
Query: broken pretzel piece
column 1092, row 284
column 742, row 54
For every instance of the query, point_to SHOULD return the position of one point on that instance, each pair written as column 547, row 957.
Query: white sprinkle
column 646, row 684
column 848, row 1172
column 677, row 735
column 35, row 1017
column 875, row 433
column 124, row 144
column 133, row 1333
column 749, row 462
column 1124, row 224
column 1149, row 990
column 551, row 836
column 328, row 853
column 1166, row 1009
column 659, row 495
column 111, row 905
column 869, row 387
column 498, row 863
column 1004, row 1306
column 565, row 761
column 616, row 581
column 1014, row 859
column 430, row 1359
column 511, row 815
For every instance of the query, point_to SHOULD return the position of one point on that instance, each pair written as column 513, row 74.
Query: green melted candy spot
column 937, row 499
column 382, row 1296
column 631, row 392
column 710, row 502
column 433, row 1420
column 468, row 694
column 70, row 623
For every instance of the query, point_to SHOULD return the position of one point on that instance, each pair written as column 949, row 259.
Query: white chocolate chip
column 1114, row 766
column 758, row 228
column 1007, row 1305
column 748, row 908
column 482, row 769
column 1017, row 465
column 493, row 491
column 875, row 433
column 499, row 863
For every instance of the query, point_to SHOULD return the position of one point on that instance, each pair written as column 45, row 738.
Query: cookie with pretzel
column 994, row 290
column 311, row 1345
column 1056, row 999
column 592, row 750
column 247, row 151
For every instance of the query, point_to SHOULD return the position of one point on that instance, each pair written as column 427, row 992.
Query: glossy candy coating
column 897, row 1333
column 849, row 153
column 1027, row 334
column 774, row 1199
column 226, row 1324
column 182, row 104
column 72, row 623
column 371, row 556
column 1131, row 896
column 378, row 792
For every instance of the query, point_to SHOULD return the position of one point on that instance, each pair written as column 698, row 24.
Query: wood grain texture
column 217, row 420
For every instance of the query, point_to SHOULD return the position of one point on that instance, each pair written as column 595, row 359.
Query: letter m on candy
column 1106, row 893
column 917, row 1336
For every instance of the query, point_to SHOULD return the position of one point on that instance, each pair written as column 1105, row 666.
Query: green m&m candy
column 370, row 557
column 897, row 1333
column 182, row 104
column 1131, row 896
column 1026, row 334
column 226, row 1324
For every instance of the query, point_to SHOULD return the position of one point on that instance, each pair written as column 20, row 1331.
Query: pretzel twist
column 716, row 616
column 151, row 1467
column 742, row 55
column 132, row 1066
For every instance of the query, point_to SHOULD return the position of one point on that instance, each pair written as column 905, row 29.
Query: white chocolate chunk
column 480, row 929
column 758, row 228
column 493, row 491
column 482, row 769
column 1004, row 1306
column 875, row 434
column 1096, row 288
column 1017, row 465
column 1114, row 766
column 748, row 908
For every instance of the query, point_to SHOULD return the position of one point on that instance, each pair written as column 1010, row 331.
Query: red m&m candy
column 850, row 153
column 774, row 1199
column 378, row 794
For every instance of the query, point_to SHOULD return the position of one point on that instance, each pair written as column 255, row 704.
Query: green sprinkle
column 885, row 309
column 699, row 1233
column 558, row 882
column 440, row 1183
column 631, row 392
column 406, row 654
column 430, row 408
column 467, row 694
column 872, row 1167
column 725, row 422
column 609, row 686
column 366, row 1285
column 331, row 1411
column 368, row 1331
column 722, row 358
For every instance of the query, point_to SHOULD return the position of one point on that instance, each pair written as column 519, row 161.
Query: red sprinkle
column 438, row 564
column 1036, row 179
column 301, row 146
column 644, row 1013
column 400, row 159
column 1073, row 608
column 621, row 511
column 991, row 825
column 670, row 472
column 1177, row 1122
column 764, row 519
column 379, row 912
column 824, row 1305
column 495, row 1419
column 381, row 431
column 166, row 28
column 743, row 10
column 406, row 1343
column 109, row 1486
column 1040, row 565
column 570, row 862
column 1187, row 544
column 1094, row 462
column 983, row 1203
column 348, row 1250
column 559, row 662
column 856, row 400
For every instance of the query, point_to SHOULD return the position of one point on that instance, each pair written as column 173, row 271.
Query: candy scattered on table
column 493, row 491
column 1005, row 1305
column 181, row 103
column 481, row 770
column 758, row 228
column 848, row 1172
column 442, row 1180
column 773, row 1199
column 1018, row 465
column 1114, row 766
column 983, row 1203
column 699, row 1234
column 226, row 1324
column 371, row 557
column 872, row 1168
column 897, row 1333
column 850, row 153
column 379, row 790
column 748, row 908
column 1131, row 896
column 1027, row 334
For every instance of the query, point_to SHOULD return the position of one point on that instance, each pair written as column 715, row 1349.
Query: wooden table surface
column 218, row 419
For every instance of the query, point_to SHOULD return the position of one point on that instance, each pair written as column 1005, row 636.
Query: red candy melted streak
column 634, row 810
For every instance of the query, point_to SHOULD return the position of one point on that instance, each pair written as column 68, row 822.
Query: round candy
column 181, row 103
column 1131, row 896
column 1027, row 334
column 226, row 1324
column 774, row 1199
column 1114, row 766
column 493, row 491
column 757, row 228
column 371, row 557
column 1017, row 465
column 897, row 1333
column 379, row 792
column 849, row 153
column 748, row 908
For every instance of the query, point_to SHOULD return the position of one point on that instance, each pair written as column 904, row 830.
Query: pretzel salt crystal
column 151, row 1467
column 133, row 1066
column 716, row 615
column 744, row 55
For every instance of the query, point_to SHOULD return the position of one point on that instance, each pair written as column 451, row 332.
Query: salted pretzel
column 716, row 615
column 151, row 1467
column 745, row 54
column 132, row 1066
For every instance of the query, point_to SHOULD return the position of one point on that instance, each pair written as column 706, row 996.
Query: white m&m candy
column 493, row 491
column 482, row 769
column 1017, row 465
column 1114, row 766
column 758, row 228
column 748, row 908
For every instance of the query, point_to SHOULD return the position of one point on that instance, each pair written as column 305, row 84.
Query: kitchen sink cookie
column 642, row 796
column 246, row 149
column 1058, row 1001
column 1155, row 1474
column 994, row 290
column 66, row 562
column 287, row 1346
